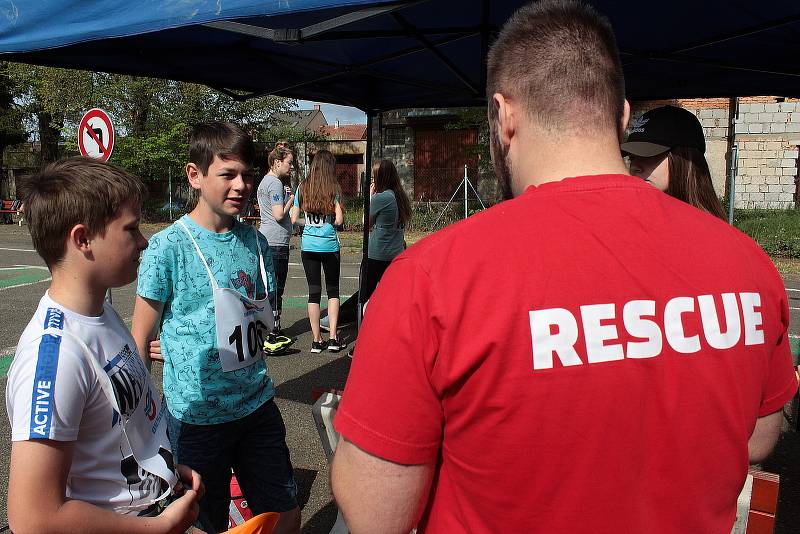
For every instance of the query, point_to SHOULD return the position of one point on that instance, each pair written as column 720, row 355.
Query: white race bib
column 241, row 322
column 317, row 220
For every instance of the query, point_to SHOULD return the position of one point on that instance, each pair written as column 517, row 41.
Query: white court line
column 10, row 351
column 27, row 284
column 792, row 289
column 19, row 249
column 39, row 267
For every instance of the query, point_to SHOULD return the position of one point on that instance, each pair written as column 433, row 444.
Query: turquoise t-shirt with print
column 319, row 235
column 197, row 390
column 386, row 241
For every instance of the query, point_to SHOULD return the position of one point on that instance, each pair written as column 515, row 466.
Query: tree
column 11, row 129
column 152, row 117
column 50, row 97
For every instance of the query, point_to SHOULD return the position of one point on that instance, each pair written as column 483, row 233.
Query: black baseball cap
column 662, row 129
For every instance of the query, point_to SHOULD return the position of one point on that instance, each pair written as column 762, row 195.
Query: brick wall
column 767, row 133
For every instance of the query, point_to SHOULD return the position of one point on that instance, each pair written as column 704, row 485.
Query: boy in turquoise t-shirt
column 205, row 282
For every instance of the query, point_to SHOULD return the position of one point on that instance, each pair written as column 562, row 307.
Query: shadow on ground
column 785, row 461
column 299, row 327
column 304, row 479
column 322, row 521
column 330, row 375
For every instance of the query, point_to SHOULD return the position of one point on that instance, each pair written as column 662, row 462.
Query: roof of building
column 301, row 118
column 344, row 132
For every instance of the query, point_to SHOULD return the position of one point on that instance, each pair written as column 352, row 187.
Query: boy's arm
column 144, row 326
column 38, row 474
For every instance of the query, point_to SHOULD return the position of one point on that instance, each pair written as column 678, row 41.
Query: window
column 394, row 135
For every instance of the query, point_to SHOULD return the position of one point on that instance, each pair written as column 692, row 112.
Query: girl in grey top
column 275, row 199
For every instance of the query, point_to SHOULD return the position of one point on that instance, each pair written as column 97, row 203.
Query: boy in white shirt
column 89, row 437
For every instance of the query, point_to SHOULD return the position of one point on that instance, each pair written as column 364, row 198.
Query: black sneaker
column 334, row 345
column 318, row 346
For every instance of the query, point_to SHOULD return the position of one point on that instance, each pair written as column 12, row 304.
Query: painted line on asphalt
column 19, row 249
column 7, row 356
column 7, row 353
column 5, row 363
column 792, row 289
column 18, row 267
column 24, row 278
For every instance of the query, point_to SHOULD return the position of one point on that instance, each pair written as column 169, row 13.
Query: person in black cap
column 666, row 147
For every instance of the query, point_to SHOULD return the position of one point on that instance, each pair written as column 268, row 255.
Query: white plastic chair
column 324, row 411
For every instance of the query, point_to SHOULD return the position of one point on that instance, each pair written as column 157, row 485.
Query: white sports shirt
column 53, row 393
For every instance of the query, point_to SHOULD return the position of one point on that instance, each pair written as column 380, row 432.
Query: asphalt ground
column 23, row 279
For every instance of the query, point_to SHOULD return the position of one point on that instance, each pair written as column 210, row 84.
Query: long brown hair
column 690, row 180
column 386, row 177
column 320, row 191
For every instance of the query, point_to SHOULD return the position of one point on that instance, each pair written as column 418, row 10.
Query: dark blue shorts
column 254, row 447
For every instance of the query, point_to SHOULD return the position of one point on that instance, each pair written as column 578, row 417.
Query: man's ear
column 506, row 118
column 80, row 239
column 626, row 116
column 194, row 175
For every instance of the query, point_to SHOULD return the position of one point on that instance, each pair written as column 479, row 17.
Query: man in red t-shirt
column 591, row 355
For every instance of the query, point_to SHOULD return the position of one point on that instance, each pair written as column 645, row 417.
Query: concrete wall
column 402, row 155
column 767, row 133
column 767, row 136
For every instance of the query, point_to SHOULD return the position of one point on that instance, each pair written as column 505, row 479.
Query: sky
column 345, row 114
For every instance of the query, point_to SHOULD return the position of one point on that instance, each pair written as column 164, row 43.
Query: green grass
column 776, row 231
column 425, row 216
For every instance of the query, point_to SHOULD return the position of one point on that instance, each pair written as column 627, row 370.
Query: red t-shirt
column 589, row 357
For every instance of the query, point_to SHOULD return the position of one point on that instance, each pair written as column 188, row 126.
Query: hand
column 188, row 478
column 183, row 511
column 154, row 349
column 181, row 514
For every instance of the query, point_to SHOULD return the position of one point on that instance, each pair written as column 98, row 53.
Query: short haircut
column 279, row 153
column 75, row 191
column 559, row 59
column 224, row 140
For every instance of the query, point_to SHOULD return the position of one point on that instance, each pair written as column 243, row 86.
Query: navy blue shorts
column 254, row 447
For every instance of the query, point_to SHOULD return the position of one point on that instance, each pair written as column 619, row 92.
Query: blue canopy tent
column 386, row 54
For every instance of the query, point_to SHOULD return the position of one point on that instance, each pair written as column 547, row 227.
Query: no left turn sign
column 96, row 135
